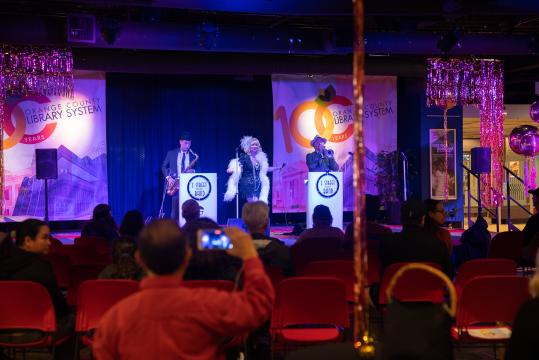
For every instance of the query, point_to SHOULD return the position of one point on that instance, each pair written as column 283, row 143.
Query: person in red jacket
column 166, row 320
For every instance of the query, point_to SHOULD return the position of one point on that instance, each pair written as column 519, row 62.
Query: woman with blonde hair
column 249, row 173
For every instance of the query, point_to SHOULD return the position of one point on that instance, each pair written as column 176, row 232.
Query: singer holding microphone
column 178, row 160
column 321, row 159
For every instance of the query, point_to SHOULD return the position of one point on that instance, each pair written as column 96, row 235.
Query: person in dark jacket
column 475, row 241
column 272, row 251
column 102, row 224
column 24, row 262
column 414, row 243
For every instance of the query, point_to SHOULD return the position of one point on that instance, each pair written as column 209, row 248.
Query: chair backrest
column 317, row 249
column 79, row 273
column 26, row 305
column 275, row 274
column 101, row 245
column 79, row 254
column 506, row 245
column 96, row 297
column 490, row 299
column 414, row 285
column 373, row 261
column 60, row 264
column 310, row 300
column 340, row 269
column 224, row 285
column 483, row 267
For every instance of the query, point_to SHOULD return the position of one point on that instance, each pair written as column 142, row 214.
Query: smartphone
column 213, row 239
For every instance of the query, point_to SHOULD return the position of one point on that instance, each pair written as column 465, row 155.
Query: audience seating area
column 310, row 308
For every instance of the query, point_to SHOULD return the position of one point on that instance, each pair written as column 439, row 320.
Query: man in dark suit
column 321, row 159
column 177, row 161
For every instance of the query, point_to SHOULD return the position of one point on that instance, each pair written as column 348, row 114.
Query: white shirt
column 179, row 161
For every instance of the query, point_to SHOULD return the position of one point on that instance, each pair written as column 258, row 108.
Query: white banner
column 305, row 106
column 77, row 128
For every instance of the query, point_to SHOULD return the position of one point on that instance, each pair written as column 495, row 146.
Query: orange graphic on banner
column 321, row 112
column 17, row 134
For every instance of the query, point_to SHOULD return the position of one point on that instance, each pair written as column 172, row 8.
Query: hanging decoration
column 452, row 82
column 28, row 70
column 534, row 111
column 524, row 140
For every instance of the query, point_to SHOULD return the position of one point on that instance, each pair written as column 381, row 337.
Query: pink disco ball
column 514, row 140
column 529, row 144
column 534, row 111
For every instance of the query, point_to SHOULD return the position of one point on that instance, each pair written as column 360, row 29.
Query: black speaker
column 47, row 163
column 480, row 160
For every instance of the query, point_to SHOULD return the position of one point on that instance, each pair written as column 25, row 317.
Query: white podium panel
column 325, row 188
column 201, row 187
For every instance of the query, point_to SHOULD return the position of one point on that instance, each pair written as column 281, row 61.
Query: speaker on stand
column 480, row 165
column 46, row 168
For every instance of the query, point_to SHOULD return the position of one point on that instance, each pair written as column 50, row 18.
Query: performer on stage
column 249, row 174
column 321, row 159
column 177, row 161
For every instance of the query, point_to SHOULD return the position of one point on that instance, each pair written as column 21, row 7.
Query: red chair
column 223, row 285
column 27, row 306
column 308, row 310
column 95, row 298
column 414, row 286
column 483, row 267
column 317, row 249
column 340, row 269
column 506, row 245
column 80, row 254
column 79, row 273
column 275, row 274
column 487, row 307
column 60, row 264
column 101, row 245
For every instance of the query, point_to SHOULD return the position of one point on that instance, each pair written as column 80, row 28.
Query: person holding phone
column 166, row 320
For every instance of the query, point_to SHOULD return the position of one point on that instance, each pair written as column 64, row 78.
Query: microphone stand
column 237, row 187
column 161, row 212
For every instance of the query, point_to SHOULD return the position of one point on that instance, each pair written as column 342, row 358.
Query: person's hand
column 170, row 181
column 242, row 242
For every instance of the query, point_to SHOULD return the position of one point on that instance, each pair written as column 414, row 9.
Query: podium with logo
column 325, row 188
column 201, row 187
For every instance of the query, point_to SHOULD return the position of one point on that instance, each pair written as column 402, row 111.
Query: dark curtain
column 147, row 113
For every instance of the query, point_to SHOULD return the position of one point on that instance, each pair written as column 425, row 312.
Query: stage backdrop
column 77, row 128
column 306, row 105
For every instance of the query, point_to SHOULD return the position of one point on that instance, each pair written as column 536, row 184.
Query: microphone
column 404, row 155
column 282, row 166
column 350, row 153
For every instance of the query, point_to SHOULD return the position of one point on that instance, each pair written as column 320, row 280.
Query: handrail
column 509, row 198
column 477, row 199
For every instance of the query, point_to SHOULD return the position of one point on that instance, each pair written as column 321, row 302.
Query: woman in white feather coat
column 249, row 173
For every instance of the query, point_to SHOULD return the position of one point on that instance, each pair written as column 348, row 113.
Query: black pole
column 479, row 208
column 508, row 188
column 46, row 200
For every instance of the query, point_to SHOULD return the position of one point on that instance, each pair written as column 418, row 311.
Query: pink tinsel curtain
column 32, row 70
column 477, row 82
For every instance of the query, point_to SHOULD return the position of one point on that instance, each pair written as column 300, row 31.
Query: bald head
column 163, row 246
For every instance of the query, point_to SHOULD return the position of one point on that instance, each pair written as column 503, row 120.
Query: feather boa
column 235, row 169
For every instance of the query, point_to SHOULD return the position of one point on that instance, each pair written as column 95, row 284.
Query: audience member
column 434, row 219
column 190, row 210
column 374, row 230
column 414, row 243
column 322, row 220
column 102, row 224
column 24, row 262
column 123, row 264
column 132, row 224
column 208, row 265
column 474, row 241
column 272, row 251
column 166, row 320
column 524, row 335
column 532, row 225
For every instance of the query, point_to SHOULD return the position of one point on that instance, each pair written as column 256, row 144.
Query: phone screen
column 213, row 239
